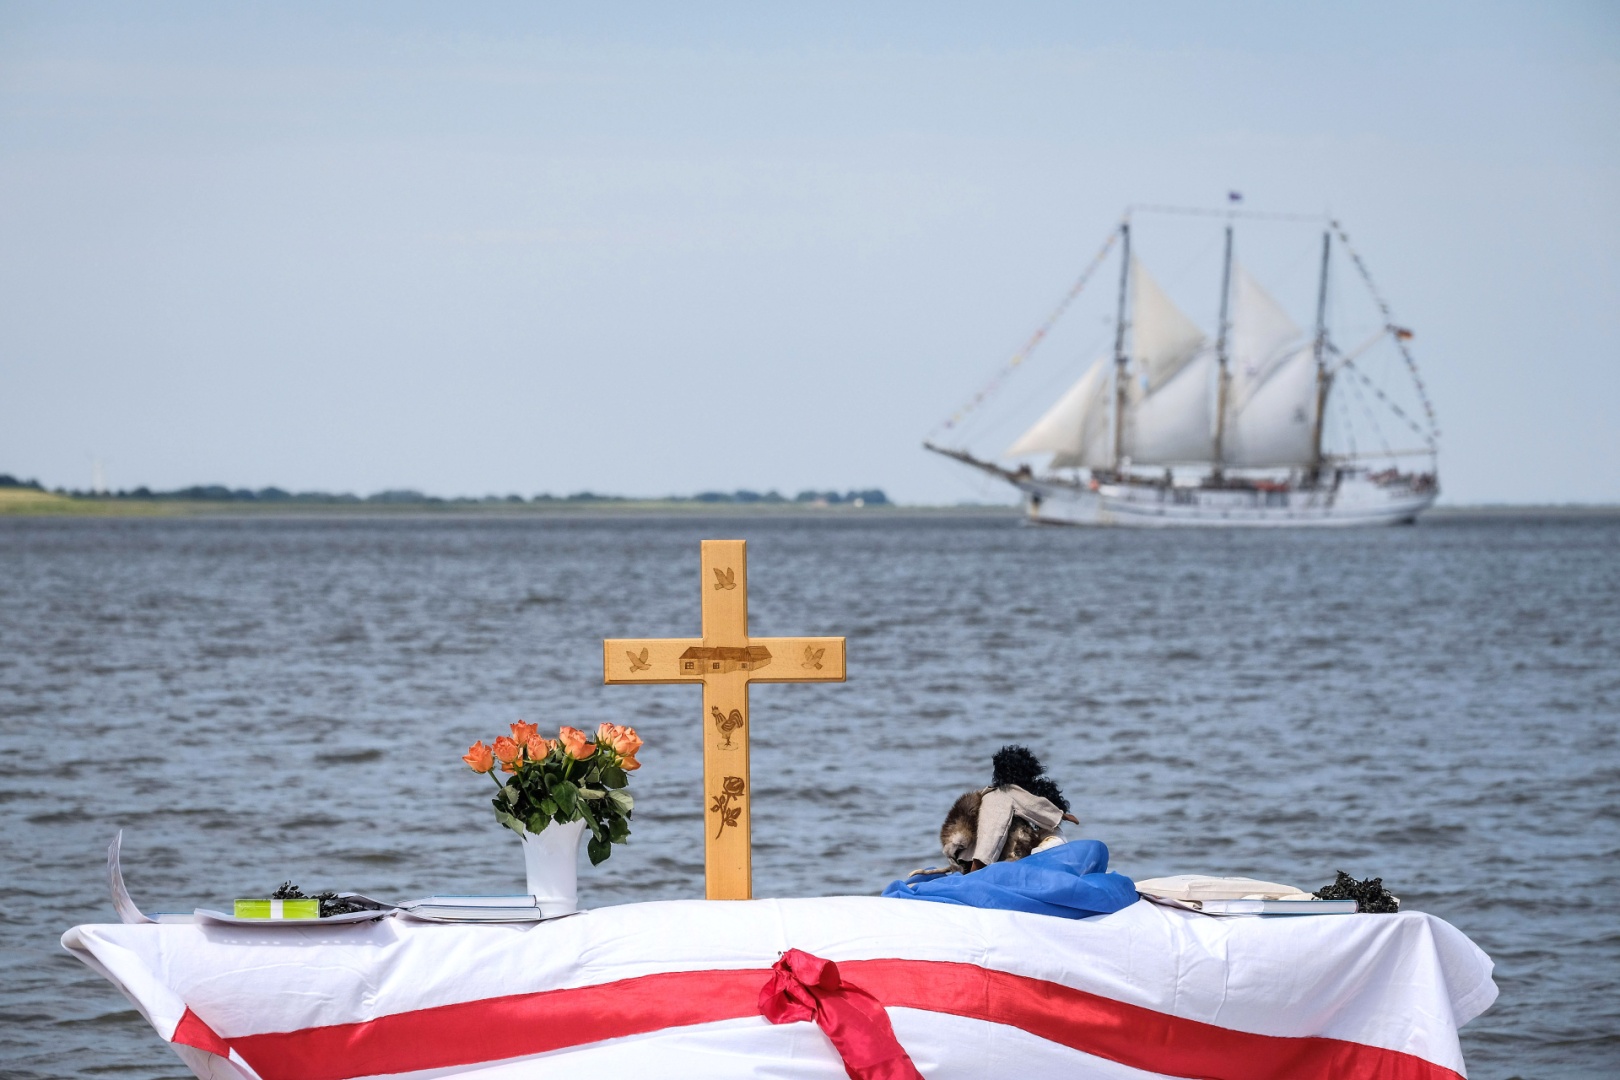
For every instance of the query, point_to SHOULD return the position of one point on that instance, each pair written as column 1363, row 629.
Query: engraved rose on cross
column 732, row 787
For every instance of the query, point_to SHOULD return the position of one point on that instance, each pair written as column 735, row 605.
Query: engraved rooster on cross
column 724, row 724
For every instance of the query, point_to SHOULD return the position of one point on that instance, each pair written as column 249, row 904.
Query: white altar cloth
column 670, row 990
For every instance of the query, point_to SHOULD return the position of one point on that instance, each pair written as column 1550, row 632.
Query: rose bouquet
column 573, row 777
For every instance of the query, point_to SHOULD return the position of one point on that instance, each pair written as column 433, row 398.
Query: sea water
column 261, row 699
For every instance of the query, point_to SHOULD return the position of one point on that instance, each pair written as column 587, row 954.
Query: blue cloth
column 1070, row 881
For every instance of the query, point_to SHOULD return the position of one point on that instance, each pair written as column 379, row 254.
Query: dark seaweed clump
column 1018, row 766
column 1369, row 895
column 331, row 903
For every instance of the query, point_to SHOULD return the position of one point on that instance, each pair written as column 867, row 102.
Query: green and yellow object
column 278, row 909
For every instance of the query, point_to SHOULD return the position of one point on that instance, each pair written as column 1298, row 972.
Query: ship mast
column 1322, row 378
column 1119, row 345
column 1221, row 358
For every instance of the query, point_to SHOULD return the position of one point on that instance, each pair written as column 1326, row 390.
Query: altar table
column 672, row 989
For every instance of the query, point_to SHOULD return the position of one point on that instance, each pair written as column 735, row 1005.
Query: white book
column 517, row 907
column 473, row 914
column 513, row 900
column 1271, row 907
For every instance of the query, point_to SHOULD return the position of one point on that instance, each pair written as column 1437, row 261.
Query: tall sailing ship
column 1179, row 427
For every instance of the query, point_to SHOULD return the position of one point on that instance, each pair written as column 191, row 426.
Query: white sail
column 1271, row 405
column 1075, row 430
column 1175, row 424
column 1262, row 337
column 1276, row 426
column 1163, row 339
column 1261, row 390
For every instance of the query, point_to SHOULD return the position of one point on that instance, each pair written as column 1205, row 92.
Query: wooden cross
column 725, row 660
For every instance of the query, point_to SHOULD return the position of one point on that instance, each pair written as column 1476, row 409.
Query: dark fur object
column 1014, row 766
column 961, row 829
column 1018, row 766
column 1369, row 895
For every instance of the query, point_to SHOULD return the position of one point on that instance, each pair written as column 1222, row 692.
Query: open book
column 1237, row 896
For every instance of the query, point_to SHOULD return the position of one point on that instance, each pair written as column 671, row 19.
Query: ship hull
column 1356, row 501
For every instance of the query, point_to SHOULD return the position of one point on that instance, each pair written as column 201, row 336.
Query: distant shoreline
column 21, row 502
column 15, row 502
column 31, row 498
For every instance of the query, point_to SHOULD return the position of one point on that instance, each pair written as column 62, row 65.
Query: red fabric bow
column 805, row 987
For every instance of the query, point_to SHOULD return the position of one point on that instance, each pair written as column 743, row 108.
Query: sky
column 660, row 249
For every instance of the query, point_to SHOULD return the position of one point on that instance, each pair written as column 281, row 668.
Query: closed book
column 517, row 907
column 1275, row 907
column 474, row 914
column 509, row 900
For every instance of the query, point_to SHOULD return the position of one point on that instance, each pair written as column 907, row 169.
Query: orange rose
column 537, row 747
column 606, row 732
column 479, row 758
column 522, row 731
column 575, row 743
column 628, row 763
column 507, row 751
column 626, row 741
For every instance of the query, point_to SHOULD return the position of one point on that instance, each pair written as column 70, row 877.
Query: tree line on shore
column 221, row 493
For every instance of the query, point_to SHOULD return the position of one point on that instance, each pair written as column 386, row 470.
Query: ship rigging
column 1231, row 424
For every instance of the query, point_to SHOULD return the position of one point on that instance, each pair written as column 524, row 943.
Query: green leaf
column 592, row 793
column 592, row 823
column 548, row 806
column 614, row 777
column 598, row 850
column 509, row 821
column 538, row 823
column 622, row 800
column 565, row 794
column 619, row 832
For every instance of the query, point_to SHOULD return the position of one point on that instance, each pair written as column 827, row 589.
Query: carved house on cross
column 702, row 659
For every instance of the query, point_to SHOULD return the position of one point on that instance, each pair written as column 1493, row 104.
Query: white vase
column 551, row 858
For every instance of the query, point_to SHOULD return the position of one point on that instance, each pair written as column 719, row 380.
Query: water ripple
column 278, row 698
